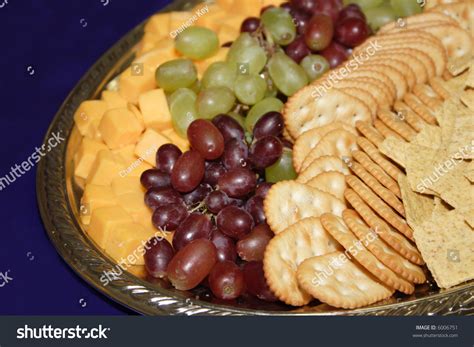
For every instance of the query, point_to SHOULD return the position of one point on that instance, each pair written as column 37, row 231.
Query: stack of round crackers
column 355, row 226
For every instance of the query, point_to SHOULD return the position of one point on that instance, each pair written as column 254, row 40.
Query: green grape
column 214, row 101
column 280, row 24
column 287, row 75
column 219, row 74
column 246, row 55
column 365, row 4
column 378, row 17
column 272, row 90
column 314, row 66
column 196, row 87
column 283, row 169
column 182, row 105
column 197, row 43
column 405, row 8
column 175, row 74
column 261, row 108
column 239, row 118
column 250, row 89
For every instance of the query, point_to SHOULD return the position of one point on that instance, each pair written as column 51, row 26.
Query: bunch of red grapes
column 212, row 197
column 324, row 27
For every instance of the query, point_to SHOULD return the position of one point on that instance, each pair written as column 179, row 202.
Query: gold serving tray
column 59, row 203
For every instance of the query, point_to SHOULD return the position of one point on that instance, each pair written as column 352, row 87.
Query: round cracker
column 288, row 202
column 359, row 93
column 331, row 182
column 397, row 124
column 382, row 251
column 339, row 143
column 418, row 18
column 377, row 172
column 306, row 110
column 323, row 164
column 335, row 226
column 398, row 79
column 386, row 131
column 290, row 248
column 341, row 282
column 374, row 154
column 370, row 133
column 401, row 66
column 461, row 12
column 437, row 83
column 428, row 96
column 419, row 108
column 374, row 80
column 379, row 206
column 308, row 140
column 420, row 74
column 396, row 240
column 412, row 118
column 387, row 195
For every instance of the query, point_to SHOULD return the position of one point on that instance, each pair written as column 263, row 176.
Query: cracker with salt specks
column 323, row 164
column 419, row 18
column 288, row 202
column 361, row 94
column 381, row 250
column 339, row 230
column 331, row 182
column 461, row 12
column 287, row 250
column 339, row 143
column 418, row 207
column 340, row 282
column 447, row 245
column 308, row 140
column 307, row 110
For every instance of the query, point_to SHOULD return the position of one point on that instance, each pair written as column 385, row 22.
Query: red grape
column 205, row 138
column 352, row 31
column 320, row 32
column 217, row 200
column 188, row 172
column 229, row 127
column 234, row 222
column 252, row 247
column 307, row 6
column 256, row 283
column 250, row 25
column 335, row 54
column 330, row 8
column 226, row 280
column 298, row 49
column 213, row 172
column 271, row 123
column 235, row 155
column 301, row 20
column 266, row 152
column 154, row 178
column 254, row 206
column 352, row 10
column 195, row 226
column 166, row 157
column 262, row 189
column 192, row 264
column 225, row 246
column 156, row 197
column 237, row 183
column 169, row 217
column 198, row 194
column 158, row 254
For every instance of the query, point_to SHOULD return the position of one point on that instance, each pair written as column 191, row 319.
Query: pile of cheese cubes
column 122, row 131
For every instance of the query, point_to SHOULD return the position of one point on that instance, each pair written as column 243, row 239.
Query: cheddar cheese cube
column 149, row 144
column 127, row 185
column 154, row 108
column 135, row 206
column 136, row 80
column 95, row 197
column 158, row 24
column 138, row 115
column 225, row 4
column 126, row 243
column 88, row 117
column 247, row 8
column 119, row 127
column 113, row 99
column 213, row 19
column 179, row 141
column 106, row 167
column 85, row 156
column 179, row 20
column 228, row 33
column 275, row 3
column 104, row 221
column 162, row 52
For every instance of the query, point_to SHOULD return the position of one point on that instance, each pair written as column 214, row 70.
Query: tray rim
column 130, row 291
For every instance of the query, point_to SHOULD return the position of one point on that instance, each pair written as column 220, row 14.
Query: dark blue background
column 48, row 36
